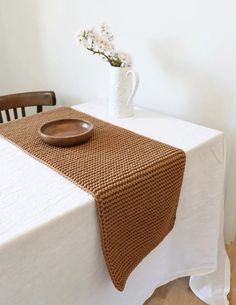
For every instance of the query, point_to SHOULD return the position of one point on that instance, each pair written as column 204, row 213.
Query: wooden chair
column 22, row 100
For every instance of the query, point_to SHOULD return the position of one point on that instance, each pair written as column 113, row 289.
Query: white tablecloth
column 50, row 252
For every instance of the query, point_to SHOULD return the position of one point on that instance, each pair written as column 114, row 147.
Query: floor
column 179, row 293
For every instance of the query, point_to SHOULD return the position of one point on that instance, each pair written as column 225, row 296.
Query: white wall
column 184, row 50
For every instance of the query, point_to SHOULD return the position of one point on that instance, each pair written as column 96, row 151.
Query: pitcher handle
column 135, row 83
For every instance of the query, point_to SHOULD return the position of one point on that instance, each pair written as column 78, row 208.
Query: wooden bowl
column 66, row 132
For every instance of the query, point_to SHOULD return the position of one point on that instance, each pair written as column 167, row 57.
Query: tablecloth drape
column 49, row 244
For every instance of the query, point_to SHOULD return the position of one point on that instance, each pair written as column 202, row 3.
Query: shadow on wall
column 211, row 103
column 5, row 73
column 211, row 100
column 22, row 66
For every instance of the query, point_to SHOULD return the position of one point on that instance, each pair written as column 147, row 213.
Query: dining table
column 50, row 247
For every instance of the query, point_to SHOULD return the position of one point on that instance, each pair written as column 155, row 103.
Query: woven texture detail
column 135, row 181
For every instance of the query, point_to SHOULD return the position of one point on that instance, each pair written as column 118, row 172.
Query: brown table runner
column 135, row 181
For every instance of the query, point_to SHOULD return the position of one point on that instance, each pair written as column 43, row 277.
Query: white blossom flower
column 125, row 59
column 105, row 31
column 111, row 51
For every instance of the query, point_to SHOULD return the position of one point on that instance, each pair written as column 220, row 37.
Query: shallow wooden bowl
column 66, row 132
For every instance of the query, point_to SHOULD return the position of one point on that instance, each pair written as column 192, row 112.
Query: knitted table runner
column 135, row 181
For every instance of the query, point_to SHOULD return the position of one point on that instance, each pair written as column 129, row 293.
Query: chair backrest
column 22, row 100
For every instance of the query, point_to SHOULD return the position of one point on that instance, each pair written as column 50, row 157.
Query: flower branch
column 102, row 44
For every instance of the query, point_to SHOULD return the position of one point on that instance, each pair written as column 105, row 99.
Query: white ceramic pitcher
column 123, row 86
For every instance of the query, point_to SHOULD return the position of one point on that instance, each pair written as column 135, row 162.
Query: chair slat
column 8, row 115
column 15, row 113
column 23, row 111
column 1, row 119
column 39, row 108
